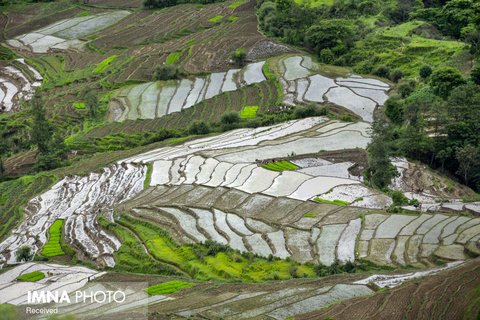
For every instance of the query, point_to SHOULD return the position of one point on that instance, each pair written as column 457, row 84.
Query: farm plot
column 167, row 97
column 52, row 247
column 69, row 278
column 64, row 34
column 18, row 82
column 77, row 200
column 302, row 83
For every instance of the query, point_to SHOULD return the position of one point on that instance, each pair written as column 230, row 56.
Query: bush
column 166, row 72
column 309, row 111
column 326, row 56
column 425, row 71
column 444, row 80
column 396, row 75
column 394, row 110
column 475, row 75
column 405, row 88
column 239, row 57
column 230, row 118
column 382, row 71
column 24, row 254
column 398, row 198
column 198, row 127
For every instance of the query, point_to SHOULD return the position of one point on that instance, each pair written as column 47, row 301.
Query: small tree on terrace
column 24, row 254
column 239, row 57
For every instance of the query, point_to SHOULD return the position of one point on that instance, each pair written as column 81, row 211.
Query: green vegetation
column 232, row 19
column 239, row 56
column 236, row 4
column 53, row 248
column 104, row 64
column 8, row 312
column 190, row 42
column 168, row 287
column 148, row 176
column 249, row 112
column 84, row 13
column 32, row 276
column 173, row 57
column 309, row 215
column 205, row 261
column 215, row 19
column 339, row 202
column 279, row 165
column 79, row 105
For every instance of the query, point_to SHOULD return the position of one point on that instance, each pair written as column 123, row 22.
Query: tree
column 42, row 129
column 330, row 34
column 455, row 15
column 444, row 80
column 473, row 39
column 475, row 75
column 166, row 72
column 425, row 71
column 239, row 57
column 198, row 127
column 468, row 157
column 24, row 254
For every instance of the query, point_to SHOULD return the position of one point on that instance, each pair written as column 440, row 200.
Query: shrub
column 425, row 71
column 24, row 254
column 475, row 75
column 394, row 110
column 382, row 71
column 326, row 56
column 166, row 72
column 444, row 80
column 396, row 75
column 405, row 88
column 239, row 56
column 398, row 198
column 198, row 127
column 230, row 118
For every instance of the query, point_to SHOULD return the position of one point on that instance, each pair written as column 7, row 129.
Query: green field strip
column 213, row 109
column 168, row 287
column 249, row 112
column 53, row 248
column 32, row 276
column 280, row 166
column 236, row 4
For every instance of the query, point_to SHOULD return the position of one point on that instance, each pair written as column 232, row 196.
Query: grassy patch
column 249, row 112
column 32, row 276
column 84, row 14
column 168, row 287
column 215, row 19
column 232, row 19
column 309, row 215
column 79, row 105
column 148, row 178
column 173, row 57
column 236, row 4
column 104, row 64
column 190, row 42
column 52, row 248
column 280, row 166
column 336, row 201
column 210, row 261
column 315, row 3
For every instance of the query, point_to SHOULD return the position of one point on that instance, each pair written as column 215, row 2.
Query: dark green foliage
column 425, row 71
column 239, row 56
column 398, row 198
column 475, row 75
column 382, row 71
column 396, row 74
column 198, row 127
column 229, row 120
column 405, row 88
column 473, row 39
column 444, row 80
column 24, row 254
column 158, row 4
column 334, row 34
column 166, row 72
column 309, row 111
column 327, row 56
column 394, row 110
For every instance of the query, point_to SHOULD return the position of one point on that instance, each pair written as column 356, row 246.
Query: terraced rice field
column 77, row 200
column 68, row 278
column 249, row 112
column 18, row 81
column 302, row 83
column 157, row 99
column 64, row 34
column 167, row 287
column 279, row 226
column 32, row 276
column 52, row 247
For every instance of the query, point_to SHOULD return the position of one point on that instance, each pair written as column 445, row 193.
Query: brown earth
column 450, row 295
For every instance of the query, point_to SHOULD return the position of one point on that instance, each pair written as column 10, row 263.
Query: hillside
column 240, row 159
